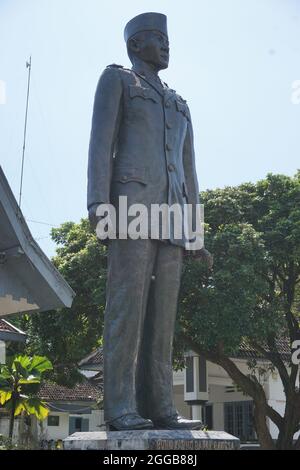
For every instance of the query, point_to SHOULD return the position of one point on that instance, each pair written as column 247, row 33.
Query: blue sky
column 234, row 62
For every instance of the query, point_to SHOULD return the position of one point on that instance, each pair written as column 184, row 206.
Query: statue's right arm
column 105, row 125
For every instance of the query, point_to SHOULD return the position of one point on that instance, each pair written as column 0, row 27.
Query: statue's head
column 146, row 37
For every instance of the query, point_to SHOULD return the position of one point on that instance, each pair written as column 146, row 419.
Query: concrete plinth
column 152, row 440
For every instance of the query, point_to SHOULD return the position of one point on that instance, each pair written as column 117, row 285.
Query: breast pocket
column 139, row 92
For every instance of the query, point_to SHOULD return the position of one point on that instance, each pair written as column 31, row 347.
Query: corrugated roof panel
column 28, row 279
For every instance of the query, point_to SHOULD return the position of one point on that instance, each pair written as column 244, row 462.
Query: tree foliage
column 20, row 381
column 253, row 230
column 67, row 335
column 250, row 297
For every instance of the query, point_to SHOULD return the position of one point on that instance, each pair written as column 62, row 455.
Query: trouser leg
column 130, row 266
column 155, row 372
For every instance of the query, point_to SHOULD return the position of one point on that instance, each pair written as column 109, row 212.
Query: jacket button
column 168, row 125
column 167, row 105
column 124, row 178
column 171, row 167
column 168, row 147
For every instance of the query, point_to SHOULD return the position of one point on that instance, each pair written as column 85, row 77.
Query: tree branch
column 274, row 357
column 274, row 416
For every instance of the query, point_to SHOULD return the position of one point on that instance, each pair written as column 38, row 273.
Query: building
column 204, row 390
column 8, row 333
column 74, row 409
column 201, row 390
column 28, row 280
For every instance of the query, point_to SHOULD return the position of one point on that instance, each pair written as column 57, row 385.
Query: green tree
column 250, row 297
column 65, row 336
column 253, row 230
column 20, row 381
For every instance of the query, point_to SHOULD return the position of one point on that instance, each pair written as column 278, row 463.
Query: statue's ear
column 133, row 45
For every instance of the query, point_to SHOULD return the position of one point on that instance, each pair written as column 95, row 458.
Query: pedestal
column 152, row 440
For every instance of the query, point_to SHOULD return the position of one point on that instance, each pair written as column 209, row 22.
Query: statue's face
column 152, row 47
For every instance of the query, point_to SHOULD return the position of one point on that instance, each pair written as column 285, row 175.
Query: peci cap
column 146, row 22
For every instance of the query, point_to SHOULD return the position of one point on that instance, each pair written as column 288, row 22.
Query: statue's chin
column 162, row 65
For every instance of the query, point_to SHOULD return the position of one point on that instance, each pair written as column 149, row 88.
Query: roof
column 9, row 332
column 28, row 280
column 247, row 352
column 85, row 391
column 94, row 360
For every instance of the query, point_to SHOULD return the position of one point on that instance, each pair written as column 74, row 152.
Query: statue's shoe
column 177, row 422
column 129, row 422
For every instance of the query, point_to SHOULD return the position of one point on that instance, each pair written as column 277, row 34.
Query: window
column 207, row 416
column 239, row 419
column 78, row 424
column 189, row 377
column 202, row 374
column 53, row 420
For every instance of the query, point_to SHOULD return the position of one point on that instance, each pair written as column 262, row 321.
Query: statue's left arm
column 189, row 165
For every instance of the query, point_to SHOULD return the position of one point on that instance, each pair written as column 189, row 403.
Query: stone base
column 152, row 440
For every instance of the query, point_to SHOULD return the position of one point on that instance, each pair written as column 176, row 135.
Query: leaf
column 35, row 406
column 5, row 395
column 32, row 379
column 20, row 406
column 40, row 364
column 24, row 361
column 18, row 367
column 30, row 389
column 4, row 383
column 5, row 373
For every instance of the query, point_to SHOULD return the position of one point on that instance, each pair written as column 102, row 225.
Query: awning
column 9, row 332
column 28, row 280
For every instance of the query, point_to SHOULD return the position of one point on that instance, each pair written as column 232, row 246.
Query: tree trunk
column 285, row 439
column 12, row 418
column 286, row 425
column 262, row 430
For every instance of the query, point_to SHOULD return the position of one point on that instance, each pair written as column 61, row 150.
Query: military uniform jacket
column 141, row 144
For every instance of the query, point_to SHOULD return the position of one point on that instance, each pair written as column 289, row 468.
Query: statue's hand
column 205, row 256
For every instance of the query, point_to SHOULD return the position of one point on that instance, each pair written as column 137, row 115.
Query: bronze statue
column 141, row 147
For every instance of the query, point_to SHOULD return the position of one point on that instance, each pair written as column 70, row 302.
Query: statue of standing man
column 141, row 148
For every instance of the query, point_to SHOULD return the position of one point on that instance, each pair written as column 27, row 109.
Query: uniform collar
column 151, row 78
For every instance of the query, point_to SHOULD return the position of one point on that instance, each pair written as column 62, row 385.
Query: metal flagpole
column 28, row 65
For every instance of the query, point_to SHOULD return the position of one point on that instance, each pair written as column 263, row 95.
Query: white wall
column 54, row 432
column 96, row 418
column 182, row 407
column 4, row 427
column 218, row 396
column 2, row 352
column 218, row 380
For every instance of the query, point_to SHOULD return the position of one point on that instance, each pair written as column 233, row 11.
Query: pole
column 28, row 65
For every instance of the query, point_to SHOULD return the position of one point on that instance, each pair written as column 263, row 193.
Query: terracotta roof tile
column 94, row 358
column 6, row 326
column 247, row 352
column 85, row 391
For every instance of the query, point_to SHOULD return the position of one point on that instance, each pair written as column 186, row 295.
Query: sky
column 234, row 61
